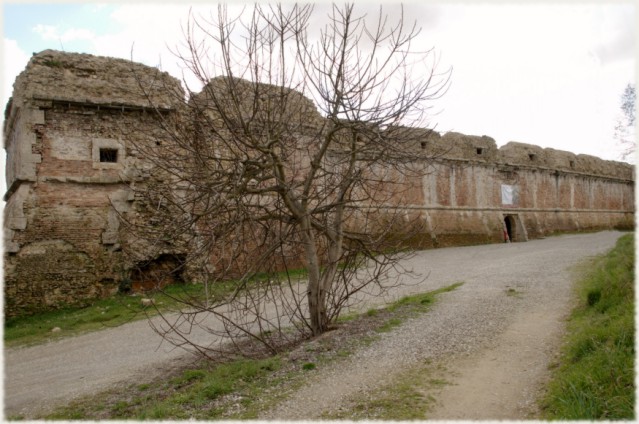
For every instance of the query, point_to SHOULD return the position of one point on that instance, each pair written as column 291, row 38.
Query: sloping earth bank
column 496, row 334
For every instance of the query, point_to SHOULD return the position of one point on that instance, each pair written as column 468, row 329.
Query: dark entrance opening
column 157, row 273
column 510, row 227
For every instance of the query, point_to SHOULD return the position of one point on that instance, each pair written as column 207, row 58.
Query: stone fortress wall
column 70, row 171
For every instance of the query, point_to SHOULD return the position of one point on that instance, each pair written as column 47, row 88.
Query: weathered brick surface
column 63, row 239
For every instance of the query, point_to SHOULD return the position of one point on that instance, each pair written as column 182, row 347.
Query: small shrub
column 308, row 366
column 53, row 63
column 215, row 388
column 593, row 297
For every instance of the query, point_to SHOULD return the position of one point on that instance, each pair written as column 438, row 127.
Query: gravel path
column 466, row 320
column 498, row 342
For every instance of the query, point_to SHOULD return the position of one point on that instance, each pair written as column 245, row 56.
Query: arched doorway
column 511, row 227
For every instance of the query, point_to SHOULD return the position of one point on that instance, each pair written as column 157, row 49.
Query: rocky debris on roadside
column 147, row 302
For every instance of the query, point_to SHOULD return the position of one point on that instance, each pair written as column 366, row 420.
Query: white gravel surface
column 467, row 320
column 463, row 321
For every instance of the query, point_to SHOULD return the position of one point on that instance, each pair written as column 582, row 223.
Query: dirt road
column 474, row 318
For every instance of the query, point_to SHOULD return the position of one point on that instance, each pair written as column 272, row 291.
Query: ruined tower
column 68, row 171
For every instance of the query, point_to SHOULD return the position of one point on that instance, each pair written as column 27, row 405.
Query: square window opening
column 480, row 150
column 531, row 156
column 109, row 155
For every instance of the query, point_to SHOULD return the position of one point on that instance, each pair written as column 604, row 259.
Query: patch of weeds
column 593, row 296
column 194, row 393
column 513, row 292
column 308, row 366
column 408, row 397
column 120, row 407
column 343, row 353
column 53, row 63
column 408, row 306
column 369, row 340
column 347, row 317
column 189, row 376
column 389, row 325
column 421, row 301
column 215, row 387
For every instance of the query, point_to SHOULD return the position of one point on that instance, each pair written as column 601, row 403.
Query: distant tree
column 625, row 127
column 296, row 151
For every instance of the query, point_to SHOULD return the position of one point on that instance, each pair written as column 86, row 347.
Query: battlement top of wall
column 273, row 98
column 457, row 146
column 84, row 78
column 515, row 153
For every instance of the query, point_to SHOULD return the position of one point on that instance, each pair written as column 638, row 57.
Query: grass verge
column 595, row 377
column 243, row 388
column 199, row 393
column 408, row 397
column 98, row 315
column 112, row 312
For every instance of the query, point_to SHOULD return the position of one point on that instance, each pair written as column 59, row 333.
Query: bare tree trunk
column 314, row 292
column 293, row 138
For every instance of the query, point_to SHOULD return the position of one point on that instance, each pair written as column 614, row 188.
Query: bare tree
column 298, row 152
column 625, row 127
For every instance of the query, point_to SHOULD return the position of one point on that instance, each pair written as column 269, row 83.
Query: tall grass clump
column 595, row 378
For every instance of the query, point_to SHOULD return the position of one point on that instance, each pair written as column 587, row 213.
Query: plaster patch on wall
column 71, row 148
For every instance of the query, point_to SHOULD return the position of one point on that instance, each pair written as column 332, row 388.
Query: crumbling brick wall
column 72, row 169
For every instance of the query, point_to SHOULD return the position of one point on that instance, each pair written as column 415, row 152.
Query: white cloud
column 97, row 7
column 615, row 34
column 520, row 72
column 75, row 34
column 526, row 73
column 15, row 60
column 145, row 36
column 50, row 32
column 47, row 32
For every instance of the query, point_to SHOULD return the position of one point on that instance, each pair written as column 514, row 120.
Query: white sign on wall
column 509, row 194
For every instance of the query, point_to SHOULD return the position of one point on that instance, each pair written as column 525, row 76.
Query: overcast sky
column 545, row 74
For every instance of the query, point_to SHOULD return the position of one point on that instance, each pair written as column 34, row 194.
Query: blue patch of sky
column 21, row 19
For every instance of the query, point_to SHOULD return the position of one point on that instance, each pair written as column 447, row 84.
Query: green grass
column 422, row 301
column 114, row 311
column 408, row 307
column 408, row 397
column 192, row 394
column 98, row 315
column 595, row 378
column 242, row 388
